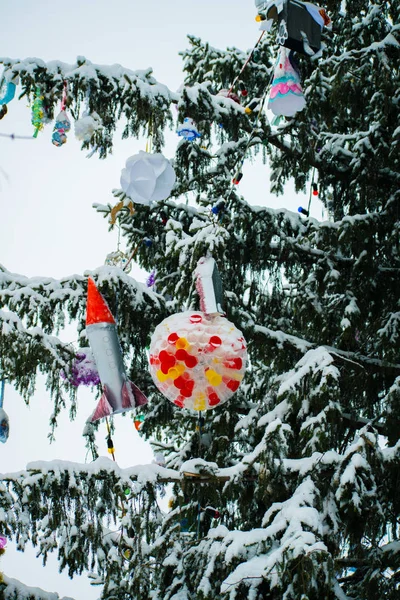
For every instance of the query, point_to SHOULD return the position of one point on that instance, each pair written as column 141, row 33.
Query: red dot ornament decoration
column 197, row 361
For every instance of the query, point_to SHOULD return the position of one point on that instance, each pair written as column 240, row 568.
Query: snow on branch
column 15, row 590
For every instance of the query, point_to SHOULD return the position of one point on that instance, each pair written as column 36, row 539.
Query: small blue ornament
column 148, row 242
column 303, row 211
column 7, row 92
column 188, row 130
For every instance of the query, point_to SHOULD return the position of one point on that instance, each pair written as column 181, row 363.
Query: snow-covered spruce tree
column 302, row 463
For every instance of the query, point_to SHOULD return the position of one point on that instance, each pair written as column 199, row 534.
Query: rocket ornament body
column 119, row 394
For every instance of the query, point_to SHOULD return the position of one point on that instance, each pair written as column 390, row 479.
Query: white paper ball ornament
column 147, row 178
column 197, row 361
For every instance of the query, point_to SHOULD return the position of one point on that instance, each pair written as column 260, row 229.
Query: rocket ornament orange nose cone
column 97, row 310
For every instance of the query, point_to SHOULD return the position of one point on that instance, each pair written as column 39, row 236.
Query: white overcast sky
column 49, row 227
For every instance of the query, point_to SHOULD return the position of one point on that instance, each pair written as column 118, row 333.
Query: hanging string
column 2, row 386
column 199, row 430
column 239, row 163
column 149, row 143
column 119, row 235
column 246, row 63
column 136, row 248
column 12, row 136
column 64, row 97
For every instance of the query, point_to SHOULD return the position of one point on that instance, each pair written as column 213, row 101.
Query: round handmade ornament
column 119, row 259
column 147, row 178
column 197, row 361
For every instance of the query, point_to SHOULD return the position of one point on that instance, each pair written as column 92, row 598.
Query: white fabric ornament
column 147, row 178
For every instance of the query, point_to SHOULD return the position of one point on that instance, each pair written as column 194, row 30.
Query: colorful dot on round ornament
column 200, row 402
column 213, row 377
column 213, row 398
column 196, row 319
column 215, row 341
column 233, row 363
column 191, row 361
column 182, row 343
column 233, row 385
column 181, row 354
column 173, row 338
column 161, row 376
column 180, row 401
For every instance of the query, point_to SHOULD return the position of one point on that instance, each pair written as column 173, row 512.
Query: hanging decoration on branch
column 209, row 286
column 119, row 259
column 62, row 124
column 188, row 130
column 37, row 112
column 198, row 359
column 119, row 394
column 7, row 93
column 138, row 422
column 83, row 370
column 299, row 24
column 286, row 95
column 147, row 178
column 4, row 421
column 229, row 94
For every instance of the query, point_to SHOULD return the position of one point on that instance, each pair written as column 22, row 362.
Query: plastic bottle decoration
column 299, row 23
column 147, row 178
column 4, row 421
column 229, row 94
column 286, row 95
column 7, row 93
column 61, row 128
column 209, row 286
column 188, row 130
column 62, row 124
column 119, row 259
column 37, row 112
column 197, row 361
column 119, row 394
column 83, row 370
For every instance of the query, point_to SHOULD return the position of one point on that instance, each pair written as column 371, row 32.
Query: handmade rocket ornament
column 286, row 95
column 119, row 394
column 4, row 422
column 209, row 286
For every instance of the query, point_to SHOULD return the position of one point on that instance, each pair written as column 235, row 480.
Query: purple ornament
column 83, row 370
column 151, row 279
column 3, row 542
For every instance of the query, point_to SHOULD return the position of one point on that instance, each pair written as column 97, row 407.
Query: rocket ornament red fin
column 103, row 409
column 97, row 310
